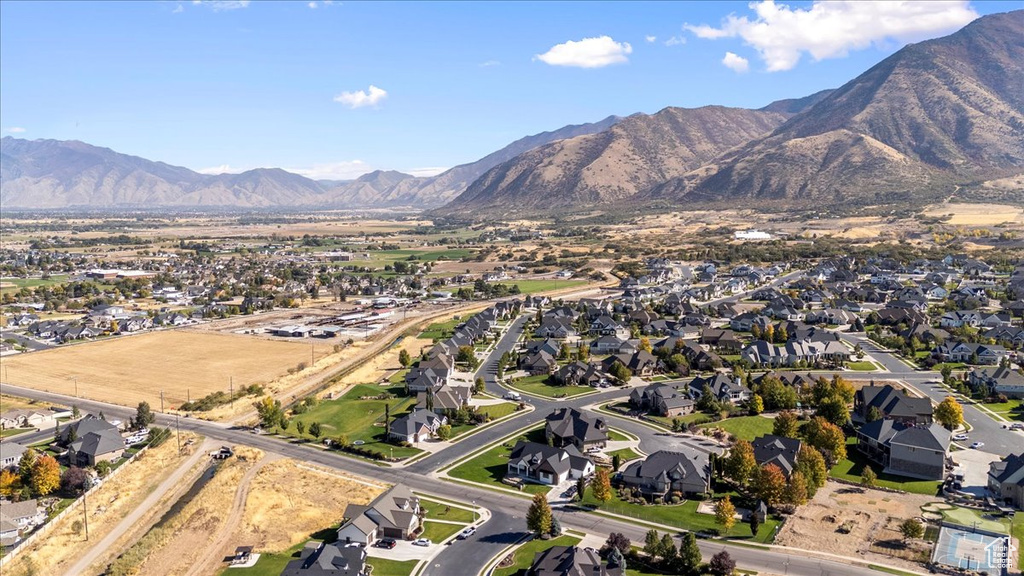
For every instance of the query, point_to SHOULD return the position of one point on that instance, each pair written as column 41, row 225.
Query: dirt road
column 147, row 508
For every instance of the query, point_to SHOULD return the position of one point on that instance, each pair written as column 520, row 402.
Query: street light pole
column 85, row 514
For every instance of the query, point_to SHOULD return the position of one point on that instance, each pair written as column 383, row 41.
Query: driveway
column 404, row 550
column 975, row 466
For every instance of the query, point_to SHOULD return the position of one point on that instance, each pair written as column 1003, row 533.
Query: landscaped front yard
column 524, row 554
column 683, row 516
column 541, row 385
column 489, row 467
column 744, row 427
column 359, row 415
column 1011, row 410
column 861, row 365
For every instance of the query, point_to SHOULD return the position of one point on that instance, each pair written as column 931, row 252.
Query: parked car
column 469, row 531
column 977, row 445
column 960, row 437
column 421, row 542
column 388, row 543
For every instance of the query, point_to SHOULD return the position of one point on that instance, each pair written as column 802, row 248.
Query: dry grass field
column 977, row 214
column 108, row 505
column 180, row 363
column 8, row 402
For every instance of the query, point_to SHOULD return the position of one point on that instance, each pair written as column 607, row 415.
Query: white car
column 977, row 445
column 469, row 531
column 960, row 437
column 422, row 542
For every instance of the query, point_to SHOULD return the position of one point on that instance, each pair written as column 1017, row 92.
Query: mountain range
column 936, row 117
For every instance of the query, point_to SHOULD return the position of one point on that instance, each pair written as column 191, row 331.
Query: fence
column 49, row 525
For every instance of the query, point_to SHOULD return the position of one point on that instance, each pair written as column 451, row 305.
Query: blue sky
column 238, row 85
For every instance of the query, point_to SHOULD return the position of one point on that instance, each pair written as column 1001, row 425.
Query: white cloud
column 490, row 63
column 222, row 5
column 736, row 63
column 178, row 9
column 427, row 171
column 222, row 169
column 831, row 29
column 312, row 5
column 675, row 41
column 587, row 53
column 343, row 170
column 15, row 130
column 361, row 98
column 651, row 39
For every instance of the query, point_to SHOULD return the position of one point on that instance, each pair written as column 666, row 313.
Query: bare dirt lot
column 182, row 364
column 872, row 517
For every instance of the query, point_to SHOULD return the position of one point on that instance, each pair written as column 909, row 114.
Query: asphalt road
column 30, row 343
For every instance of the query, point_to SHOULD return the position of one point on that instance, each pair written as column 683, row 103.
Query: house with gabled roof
column 393, row 514
column 545, row 464
column 1006, row 480
column 321, row 559
column 104, row 445
column 687, row 471
column 571, row 561
column 1000, row 380
column 569, row 426
column 916, row 451
column 662, row 400
column 778, row 450
column 893, row 403
column 10, row 454
column 415, row 426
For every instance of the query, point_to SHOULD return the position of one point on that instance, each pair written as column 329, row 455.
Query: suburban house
column 1006, row 480
column 545, row 464
column 892, row 403
column 571, row 561
column 661, row 400
column 665, row 472
column 37, row 419
column 447, row 397
column 917, row 451
column 724, row 388
column 568, row 426
column 320, row 559
column 430, row 373
column 761, row 353
column 777, row 450
column 16, row 517
column 1001, row 380
column 538, row 363
column 417, row 425
column 96, row 446
column 970, row 352
column 640, row 363
column 393, row 514
column 10, row 454
column 580, row 374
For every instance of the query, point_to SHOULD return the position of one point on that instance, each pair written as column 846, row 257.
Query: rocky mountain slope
column 932, row 116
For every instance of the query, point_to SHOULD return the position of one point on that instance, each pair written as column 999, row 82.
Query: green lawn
column 268, row 564
column 495, row 411
column 440, row 531
column 435, row 510
column 541, row 385
column 533, row 286
column 626, row 454
column 1018, row 533
column 489, row 467
column 744, row 427
column 853, row 466
column 861, row 365
column 20, row 283
column 14, row 431
column 525, row 553
column 1011, row 410
column 616, row 436
column 358, row 419
column 440, row 330
column 969, row 517
column 683, row 516
column 385, row 567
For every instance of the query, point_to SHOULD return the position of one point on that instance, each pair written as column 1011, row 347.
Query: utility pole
column 312, row 359
column 161, row 400
column 85, row 514
column 177, row 423
column 231, row 386
column 76, row 385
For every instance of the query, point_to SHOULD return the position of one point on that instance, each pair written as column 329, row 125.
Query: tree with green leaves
column 740, row 464
column 834, row 410
column 652, row 543
column 911, row 528
column 316, row 430
column 616, row 462
column 479, row 385
column 689, row 554
column 949, row 413
column 669, row 553
column 538, row 517
column 143, row 416
column 874, row 414
column 444, row 432
column 300, row 427
column 785, row 424
column 620, row 372
column 26, row 464
column 755, row 524
column 795, row 493
column 811, row 464
column 725, row 513
column 769, row 484
column 75, row 413
column 269, row 411
column 756, row 405
column 556, row 528
column 404, row 358
column 868, row 478
column 581, row 487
